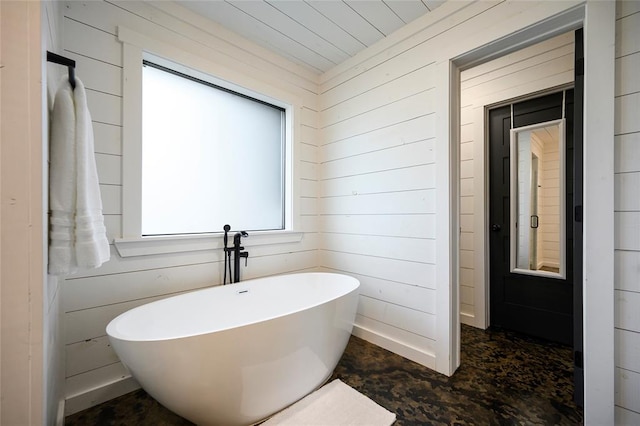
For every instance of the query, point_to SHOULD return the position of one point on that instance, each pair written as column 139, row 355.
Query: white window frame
column 136, row 48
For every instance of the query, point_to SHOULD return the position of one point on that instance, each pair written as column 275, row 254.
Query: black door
column 537, row 305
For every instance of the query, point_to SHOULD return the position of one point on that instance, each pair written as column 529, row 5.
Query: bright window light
column 210, row 156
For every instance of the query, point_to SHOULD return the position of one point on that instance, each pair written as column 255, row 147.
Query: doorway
column 518, row 78
column 537, row 69
column 598, row 19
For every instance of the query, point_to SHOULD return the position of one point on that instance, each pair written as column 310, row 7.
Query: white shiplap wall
column 627, row 213
column 92, row 299
column 533, row 69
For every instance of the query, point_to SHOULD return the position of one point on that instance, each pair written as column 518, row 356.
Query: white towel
column 78, row 237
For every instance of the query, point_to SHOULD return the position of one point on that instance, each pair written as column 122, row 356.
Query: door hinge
column 579, row 67
column 578, row 213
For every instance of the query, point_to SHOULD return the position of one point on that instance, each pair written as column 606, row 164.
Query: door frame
column 598, row 21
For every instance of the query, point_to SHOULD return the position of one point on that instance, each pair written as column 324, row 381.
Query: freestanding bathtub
column 236, row 354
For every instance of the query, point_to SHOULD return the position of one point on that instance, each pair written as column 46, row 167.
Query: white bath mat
column 334, row 404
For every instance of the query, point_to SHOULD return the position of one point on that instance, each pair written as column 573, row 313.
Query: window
column 228, row 173
column 210, row 156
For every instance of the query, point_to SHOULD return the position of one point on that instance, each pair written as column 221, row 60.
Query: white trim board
column 414, row 354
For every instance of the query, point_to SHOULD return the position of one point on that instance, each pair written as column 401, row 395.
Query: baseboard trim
column 76, row 403
column 468, row 319
column 60, row 413
column 414, row 354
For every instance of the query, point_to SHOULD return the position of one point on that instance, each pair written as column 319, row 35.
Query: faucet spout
column 238, row 254
column 237, row 236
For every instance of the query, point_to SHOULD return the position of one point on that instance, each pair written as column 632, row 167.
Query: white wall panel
column 307, row 151
column 406, row 132
column 409, row 202
column 626, row 8
column 627, row 152
column 379, row 96
column 89, row 354
column 624, row 417
column 627, row 195
column 308, row 206
column 627, row 268
column 412, row 273
column 308, row 187
column 628, row 390
column 628, row 34
column 627, row 215
column 404, row 179
column 412, row 106
column 627, row 349
column 410, row 320
column 370, row 79
column 88, row 41
column 308, row 170
column 107, row 138
column 411, row 249
column 627, row 312
column 97, row 75
column 540, row 71
column 407, row 155
column 109, row 169
column 626, row 67
column 402, row 225
column 111, row 199
column 411, row 296
column 91, row 292
column 104, row 107
column 627, row 230
column 626, row 113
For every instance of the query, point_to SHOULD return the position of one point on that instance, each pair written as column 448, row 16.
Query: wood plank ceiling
column 318, row 34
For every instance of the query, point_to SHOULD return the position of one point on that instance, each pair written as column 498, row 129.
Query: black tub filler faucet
column 237, row 254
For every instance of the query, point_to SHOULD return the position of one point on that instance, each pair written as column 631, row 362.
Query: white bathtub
column 236, row 354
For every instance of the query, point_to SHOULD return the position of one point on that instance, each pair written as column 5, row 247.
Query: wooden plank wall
column 535, row 68
column 92, row 299
column 377, row 197
column 627, row 214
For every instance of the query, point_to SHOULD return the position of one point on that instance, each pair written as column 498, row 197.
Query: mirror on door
column 537, row 182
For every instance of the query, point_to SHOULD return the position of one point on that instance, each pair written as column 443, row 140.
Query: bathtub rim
column 114, row 333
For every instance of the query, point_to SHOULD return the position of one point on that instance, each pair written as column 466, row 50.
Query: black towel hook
column 69, row 63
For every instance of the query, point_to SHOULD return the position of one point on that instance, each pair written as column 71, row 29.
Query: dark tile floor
column 504, row 379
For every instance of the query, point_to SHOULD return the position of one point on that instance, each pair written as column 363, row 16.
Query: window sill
column 145, row 246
